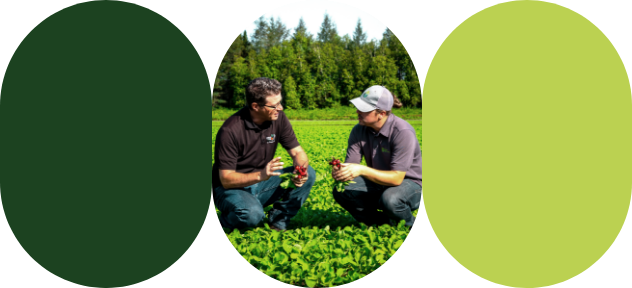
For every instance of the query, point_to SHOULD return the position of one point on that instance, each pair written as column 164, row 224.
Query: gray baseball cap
column 376, row 97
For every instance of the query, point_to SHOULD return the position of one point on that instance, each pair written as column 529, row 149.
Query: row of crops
column 323, row 246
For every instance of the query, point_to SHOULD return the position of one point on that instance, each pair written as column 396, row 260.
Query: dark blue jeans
column 364, row 198
column 243, row 207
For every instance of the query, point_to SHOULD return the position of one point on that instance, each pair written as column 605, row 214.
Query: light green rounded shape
column 527, row 129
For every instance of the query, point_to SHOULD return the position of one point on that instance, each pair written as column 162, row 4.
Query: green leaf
column 285, row 184
column 319, row 176
column 286, row 247
column 340, row 186
column 310, row 283
column 344, row 260
column 398, row 244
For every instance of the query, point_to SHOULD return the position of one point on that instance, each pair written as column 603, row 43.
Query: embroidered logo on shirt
column 271, row 138
column 384, row 150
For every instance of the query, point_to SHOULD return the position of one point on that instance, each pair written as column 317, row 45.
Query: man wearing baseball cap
column 391, row 181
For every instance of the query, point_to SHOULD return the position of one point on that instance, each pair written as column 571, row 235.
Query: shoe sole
column 275, row 228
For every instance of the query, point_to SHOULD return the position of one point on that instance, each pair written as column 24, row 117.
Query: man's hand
column 299, row 182
column 347, row 172
column 272, row 166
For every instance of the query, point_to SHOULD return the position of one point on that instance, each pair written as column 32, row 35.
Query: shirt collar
column 245, row 115
column 388, row 126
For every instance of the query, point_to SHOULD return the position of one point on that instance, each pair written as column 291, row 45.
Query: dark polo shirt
column 394, row 148
column 245, row 147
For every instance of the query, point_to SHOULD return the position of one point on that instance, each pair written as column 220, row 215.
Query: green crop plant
column 323, row 246
column 340, row 186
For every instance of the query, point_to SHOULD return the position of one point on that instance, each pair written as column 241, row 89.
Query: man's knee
column 311, row 176
column 390, row 200
column 255, row 216
column 340, row 197
column 348, row 201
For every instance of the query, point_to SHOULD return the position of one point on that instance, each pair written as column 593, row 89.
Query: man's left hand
column 299, row 182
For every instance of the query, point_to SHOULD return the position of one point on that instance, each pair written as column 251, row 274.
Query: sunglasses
column 273, row 107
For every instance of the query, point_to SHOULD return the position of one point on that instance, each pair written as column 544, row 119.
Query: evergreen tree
column 301, row 47
column 277, row 32
column 326, row 64
column 328, row 32
column 246, row 43
column 317, row 72
column 344, row 60
column 328, row 94
column 387, row 34
column 382, row 48
column 333, row 56
column 398, row 53
column 217, row 93
column 274, row 61
column 292, row 101
column 222, row 90
column 301, row 44
column 260, row 35
column 409, row 88
column 371, row 47
column 252, row 64
column 290, row 63
column 382, row 71
column 347, row 87
column 301, row 30
column 339, row 56
column 345, row 42
column 306, row 90
column 236, row 48
column 359, row 36
column 360, row 60
column 238, row 79
column 401, row 90
column 262, row 67
column 414, row 88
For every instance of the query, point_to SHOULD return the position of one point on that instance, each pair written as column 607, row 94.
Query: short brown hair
column 396, row 104
column 260, row 88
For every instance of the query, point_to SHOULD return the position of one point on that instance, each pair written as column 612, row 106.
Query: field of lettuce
column 324, row 246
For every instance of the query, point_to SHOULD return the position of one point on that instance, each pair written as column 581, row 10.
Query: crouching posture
column 245, row 175
column 391, row 181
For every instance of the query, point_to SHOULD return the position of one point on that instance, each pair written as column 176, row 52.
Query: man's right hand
column 270, row 169
column 334, row 171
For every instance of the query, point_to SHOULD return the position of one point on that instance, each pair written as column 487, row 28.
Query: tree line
column 317, row 71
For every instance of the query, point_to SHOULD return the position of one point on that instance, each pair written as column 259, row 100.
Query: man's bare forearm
column 385, row 178
column 300, row 159
column 240, row 180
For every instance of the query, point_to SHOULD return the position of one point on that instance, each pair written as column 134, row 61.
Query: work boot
column 275, row 228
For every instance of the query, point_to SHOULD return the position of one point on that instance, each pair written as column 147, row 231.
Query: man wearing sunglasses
column 246, row 174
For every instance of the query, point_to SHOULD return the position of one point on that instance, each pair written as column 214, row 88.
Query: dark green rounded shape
column 105, row 144
column 528, row 153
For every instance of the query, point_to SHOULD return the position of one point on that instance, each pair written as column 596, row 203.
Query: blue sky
column 344, row 16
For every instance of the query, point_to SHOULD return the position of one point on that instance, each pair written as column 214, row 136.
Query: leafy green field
column 339, row 113
column 323, row 246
